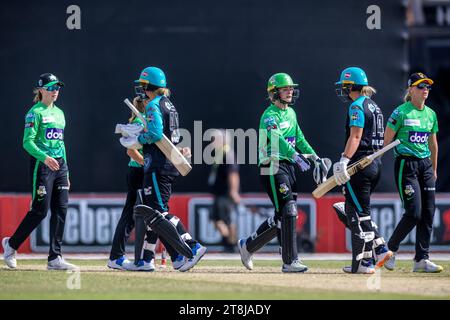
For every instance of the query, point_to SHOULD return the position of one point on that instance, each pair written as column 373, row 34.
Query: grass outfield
column 222, row 279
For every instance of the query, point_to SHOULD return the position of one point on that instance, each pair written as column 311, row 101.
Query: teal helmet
column 350, row 77
column 153, row 76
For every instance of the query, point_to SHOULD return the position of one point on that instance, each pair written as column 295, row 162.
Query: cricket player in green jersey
column 416, row 126
column 281, row 148
column 44, row 141
column 135, row 178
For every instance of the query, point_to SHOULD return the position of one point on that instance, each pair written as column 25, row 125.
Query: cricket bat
column 326, row 186
column 166, row 146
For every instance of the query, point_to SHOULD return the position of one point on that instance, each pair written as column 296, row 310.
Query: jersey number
column 378, row 126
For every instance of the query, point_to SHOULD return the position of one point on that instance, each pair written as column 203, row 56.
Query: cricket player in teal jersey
column 416, row 126
column 281, row 145
column 44, row 141
column 364, row 134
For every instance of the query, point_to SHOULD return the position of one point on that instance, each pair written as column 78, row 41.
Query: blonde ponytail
column 37, row 95
column 140, row 105
column 368, row 91
column 407, row 96
column 163, row 92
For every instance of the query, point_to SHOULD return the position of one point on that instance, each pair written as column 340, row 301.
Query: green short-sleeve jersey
column 133, row 163
column 280, row 135
column 413, row 127
column 44, row 132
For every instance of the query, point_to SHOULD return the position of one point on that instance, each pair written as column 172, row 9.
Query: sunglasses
column 423, row 86
column 54, row 87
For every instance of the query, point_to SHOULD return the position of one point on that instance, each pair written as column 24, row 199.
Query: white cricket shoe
column 295, row 266
column 140, row 266
column 246, row 257
column 118, row 263
column 390, row 263
column 362, row 269
column 198, row 251
column 383, row 258
column 179, row 262
column 427, row 266
column 60, row 264
column 9, row 254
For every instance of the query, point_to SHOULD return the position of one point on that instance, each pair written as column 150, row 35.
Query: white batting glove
column 129, row 130
column 340, row 171
column 130, row 142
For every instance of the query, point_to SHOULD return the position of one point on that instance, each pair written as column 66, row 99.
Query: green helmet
column 280, row 80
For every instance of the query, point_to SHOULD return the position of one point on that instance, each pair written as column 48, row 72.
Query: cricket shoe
column 179, row 262
column 118, row 263
column 141, row 265
column 198, row 251
column 364, row 268
column 9, row 254
column 295, row 266
column 390, row 263
column 60, row 264
column 427, row 266
column 246, row 257
column 383, row 256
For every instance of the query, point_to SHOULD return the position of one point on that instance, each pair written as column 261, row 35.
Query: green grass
column 206, row 281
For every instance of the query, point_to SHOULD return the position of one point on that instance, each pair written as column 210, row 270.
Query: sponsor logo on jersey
column 392, row 120
column 284, row 125
column 269, row 120
column 418, row 137
column 412, row 122
column 354, row 116
column 147, row 161
column 168, row 105
column 291, row 141
column 48, row 119
column 54, row 134
column 29, row 117
column 29, row 125
column 371, row 107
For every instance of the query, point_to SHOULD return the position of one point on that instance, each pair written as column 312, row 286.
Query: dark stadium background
column 217, row 56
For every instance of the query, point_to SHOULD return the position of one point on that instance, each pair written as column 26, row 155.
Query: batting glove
column 340, row 171
column 130, row 143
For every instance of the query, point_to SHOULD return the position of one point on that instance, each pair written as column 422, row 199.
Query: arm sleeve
column 395, row 120
column 154, row 127
column 301, row 144
column 274, row 134
column 356, row 116
column 32, row 121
